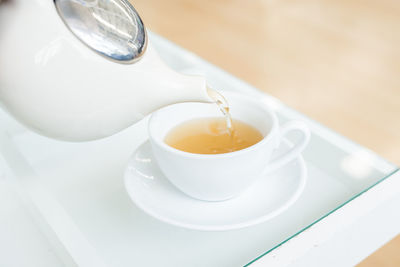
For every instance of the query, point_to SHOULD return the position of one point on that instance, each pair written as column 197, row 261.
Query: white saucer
column 265, row 199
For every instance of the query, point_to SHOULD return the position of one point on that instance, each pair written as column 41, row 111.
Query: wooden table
column 336, row 61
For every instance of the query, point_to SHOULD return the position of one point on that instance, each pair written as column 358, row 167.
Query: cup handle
column 290, row 155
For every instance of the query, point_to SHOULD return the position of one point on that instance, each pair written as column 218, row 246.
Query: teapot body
column 54, row 84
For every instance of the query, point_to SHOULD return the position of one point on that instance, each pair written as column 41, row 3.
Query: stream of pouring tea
column 223, row 106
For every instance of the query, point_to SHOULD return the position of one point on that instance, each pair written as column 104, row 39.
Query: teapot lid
column 111, row 28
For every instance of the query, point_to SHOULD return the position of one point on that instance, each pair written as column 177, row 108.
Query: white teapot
column 83, row 69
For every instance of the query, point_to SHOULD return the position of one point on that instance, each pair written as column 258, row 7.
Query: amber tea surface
column 212, row 136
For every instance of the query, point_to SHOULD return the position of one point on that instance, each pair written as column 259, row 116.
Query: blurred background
column 337, row 61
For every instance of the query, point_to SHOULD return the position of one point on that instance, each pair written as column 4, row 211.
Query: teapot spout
column 184, row 88
column 166, row 86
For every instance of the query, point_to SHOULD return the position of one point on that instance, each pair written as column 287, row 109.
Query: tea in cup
column 202, row 158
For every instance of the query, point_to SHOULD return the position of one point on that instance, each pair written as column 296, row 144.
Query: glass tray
column 76, row 191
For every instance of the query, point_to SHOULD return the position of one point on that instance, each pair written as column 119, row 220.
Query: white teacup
column 217, row 177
